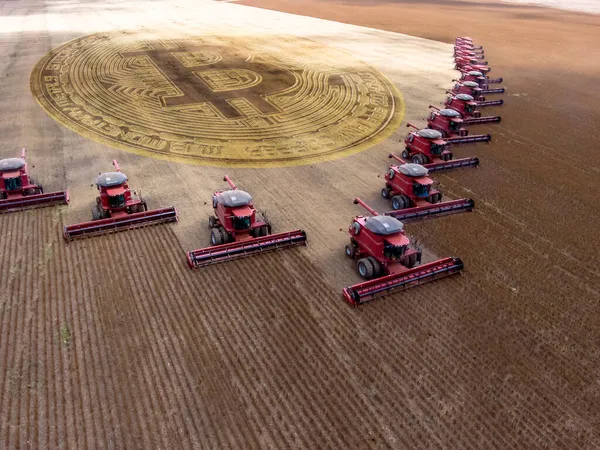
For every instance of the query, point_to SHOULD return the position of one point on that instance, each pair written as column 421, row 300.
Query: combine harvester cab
column 386, row 259
column 235, row 232
column 428, row 148
column 413, row 196
column 450, row 123
column 117, row 209
column 472, row 88
column 18, row 191
column 466, row 105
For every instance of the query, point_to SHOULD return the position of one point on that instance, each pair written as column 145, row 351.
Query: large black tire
column 400, row 202
column 350, row 251
column 376, row 266
column 436, row 198
column 405, row 154
column 365, row 268
column 385, row 193
column 264, row 230
column 216, row 237
column 410, row 261
column 419, row 159
column 97, row 213
column 447, row 156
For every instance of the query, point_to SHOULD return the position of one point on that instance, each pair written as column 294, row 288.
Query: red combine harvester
column 18, row 191
column 413, row 196
column 235, row 232
column 387, row 260
column 472, row 88
column 461, row 60
column 479, row 78
column 466, row 105
column 116, row 209
column 463, row 51
column 450, row 123
column 428, row 148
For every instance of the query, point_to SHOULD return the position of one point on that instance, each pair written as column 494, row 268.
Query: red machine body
column 236, row 232
column 386, row 259
column 462, row 60
column 18, row 191
column 427, row 147
column 414, row 197
column 117, row 209
column 466, row 105
column 451, row 124
column 472, row 88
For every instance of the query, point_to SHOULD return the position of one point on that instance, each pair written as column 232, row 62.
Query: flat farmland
column 114, row 342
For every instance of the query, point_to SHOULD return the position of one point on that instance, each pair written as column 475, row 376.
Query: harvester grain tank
column 118, row 209
column 386, row 259
column 18, row 191
column 236, row 232
column 414, row 197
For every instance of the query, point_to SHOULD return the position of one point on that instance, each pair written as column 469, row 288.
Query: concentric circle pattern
column 217, row 101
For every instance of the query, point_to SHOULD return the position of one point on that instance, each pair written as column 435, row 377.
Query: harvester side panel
column 235, row 250
column 34, row 201
column 433, row 210
column 365, row 292
column 452, row 164
column 135, row 220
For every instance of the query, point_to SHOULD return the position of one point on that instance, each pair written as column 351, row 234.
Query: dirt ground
column 114, row 342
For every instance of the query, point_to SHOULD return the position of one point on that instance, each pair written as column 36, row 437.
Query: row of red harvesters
column 384, row 256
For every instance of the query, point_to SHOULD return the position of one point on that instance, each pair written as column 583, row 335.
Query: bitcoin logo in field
column 217, row 101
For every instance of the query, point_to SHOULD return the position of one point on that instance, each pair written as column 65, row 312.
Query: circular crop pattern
column 217, row 101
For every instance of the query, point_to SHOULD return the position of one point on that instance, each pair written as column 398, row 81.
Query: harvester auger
column 428, row 148
column 117, row 209
column 450, row 123
column 467, row 106
column 472, row 88
column 414, row 197
column 18, row 191
column 479, row 78
column 235, row 232
column 386, row 259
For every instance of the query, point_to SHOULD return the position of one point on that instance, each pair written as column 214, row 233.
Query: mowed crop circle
column 219, row 101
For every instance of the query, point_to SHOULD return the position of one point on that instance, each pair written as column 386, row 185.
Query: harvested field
column 113, row 342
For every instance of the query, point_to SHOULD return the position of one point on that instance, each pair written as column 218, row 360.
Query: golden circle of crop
column 218, row 101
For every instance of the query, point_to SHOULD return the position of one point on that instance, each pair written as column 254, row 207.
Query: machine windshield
column 393, row 251
column 436, row 149
column 421, row 190
column 13, row 184
column 454, row 126
column 116, row 201
column 241, row 223
column 469, row 108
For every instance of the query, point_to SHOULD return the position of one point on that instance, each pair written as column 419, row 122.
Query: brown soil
column 113, row 342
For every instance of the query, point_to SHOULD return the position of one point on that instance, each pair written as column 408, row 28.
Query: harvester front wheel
column 419, row 159
column 365, row 268
column 376, row 266
column 447, row 156
column 264, row 230
column 411, row 261
column 400, row 202
column 436, row 198
column 216, row 238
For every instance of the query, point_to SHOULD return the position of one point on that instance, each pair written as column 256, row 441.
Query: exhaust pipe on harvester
column 241, row 249
column 34, row 201
column 362, row 293
column 121, row 223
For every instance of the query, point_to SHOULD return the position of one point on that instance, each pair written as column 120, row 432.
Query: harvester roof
column 114, row 191
column 471, row 84
column 11, row 164
column 234, row 198
column 475, row 73
column 110, row 179
column 465, row 97
column 449, row 113
column 428, row 133
column 383, row 225
column 413, row 170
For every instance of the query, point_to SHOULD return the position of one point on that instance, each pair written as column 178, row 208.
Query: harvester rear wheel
column 212, row 222
column 419, row 159
column 385, row 193
column 405, row 154
column 365, row 268
column 216, row 238
column 350, row 251
column 376, row 266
